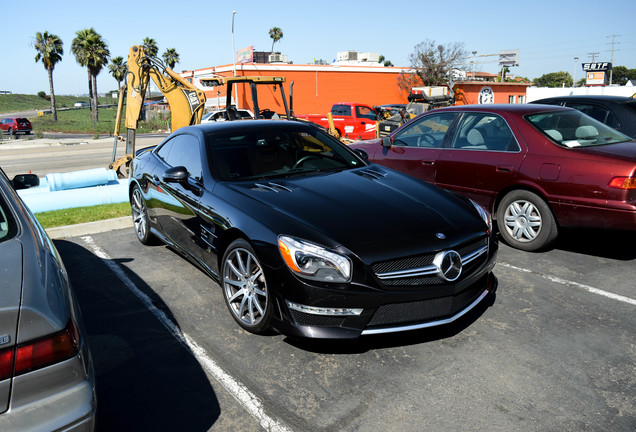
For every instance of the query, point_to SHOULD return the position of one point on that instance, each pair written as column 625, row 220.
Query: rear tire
column 140, row 217
column 525, row 221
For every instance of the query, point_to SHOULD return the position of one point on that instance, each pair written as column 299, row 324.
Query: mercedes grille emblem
column 449, row 264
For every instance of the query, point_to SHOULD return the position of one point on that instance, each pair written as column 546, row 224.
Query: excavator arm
column 185, row 100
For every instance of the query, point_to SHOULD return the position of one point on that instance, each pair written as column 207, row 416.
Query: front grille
column 426, row 261
column 425, row 310
column 302, row 318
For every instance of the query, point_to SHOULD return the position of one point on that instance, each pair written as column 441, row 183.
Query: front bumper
column 366, row 309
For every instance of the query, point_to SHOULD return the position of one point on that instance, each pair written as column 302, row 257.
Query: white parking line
column 573, row 284
column 242, row 394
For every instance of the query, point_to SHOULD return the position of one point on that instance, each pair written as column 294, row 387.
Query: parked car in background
column 222, row 115
column 615, row 111
column 305, row 237
column 15, row 125
column 353, row 121
column 537, row 168
column 81, row 104
column 46, row 372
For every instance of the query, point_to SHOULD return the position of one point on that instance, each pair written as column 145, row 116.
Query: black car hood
column 374, row 209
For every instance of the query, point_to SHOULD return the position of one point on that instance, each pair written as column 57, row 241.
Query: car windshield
column 572, row 128
column 268, row 152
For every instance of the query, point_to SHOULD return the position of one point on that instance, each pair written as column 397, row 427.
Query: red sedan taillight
column 40, row 353
column 623, row 183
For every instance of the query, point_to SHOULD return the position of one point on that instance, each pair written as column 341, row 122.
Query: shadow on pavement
column 146, row 379
column 617, row 245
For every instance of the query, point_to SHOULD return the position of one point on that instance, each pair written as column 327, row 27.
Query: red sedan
column 537, row 168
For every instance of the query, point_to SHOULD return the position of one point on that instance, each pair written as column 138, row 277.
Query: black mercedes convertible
column 308, row 238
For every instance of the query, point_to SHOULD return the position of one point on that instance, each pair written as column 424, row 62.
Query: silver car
column 46, row 372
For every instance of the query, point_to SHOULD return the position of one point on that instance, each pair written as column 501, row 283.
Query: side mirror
column 386, row 142
column 362, row 154
column 177, row 174
column 25, row 181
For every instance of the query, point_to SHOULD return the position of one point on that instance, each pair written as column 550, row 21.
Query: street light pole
column 576, row 59
column 234, row 57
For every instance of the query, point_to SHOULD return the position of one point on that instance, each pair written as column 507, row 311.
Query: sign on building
column 245, row 55
column 597, row 67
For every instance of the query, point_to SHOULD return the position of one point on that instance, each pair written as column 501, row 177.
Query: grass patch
column 77, row 121
column 72, row 216
column 21, row 102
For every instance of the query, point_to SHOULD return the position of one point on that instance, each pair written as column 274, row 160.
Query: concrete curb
column 89, row 228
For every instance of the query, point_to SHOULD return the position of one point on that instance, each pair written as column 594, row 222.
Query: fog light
column 324, row 311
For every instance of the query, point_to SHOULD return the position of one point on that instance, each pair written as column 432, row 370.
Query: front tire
column 245, row 289
column 525, row 221
column 140, row 217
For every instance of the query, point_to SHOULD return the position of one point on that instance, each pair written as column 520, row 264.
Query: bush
column 41, row 94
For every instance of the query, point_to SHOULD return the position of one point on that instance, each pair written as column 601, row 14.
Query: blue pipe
column 76, row 189
column 80, row 179
column 84, row 197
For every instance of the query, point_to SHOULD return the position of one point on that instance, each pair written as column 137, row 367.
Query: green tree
column 275, row 34
column 150, row 47
column 118, row 69
column 49, row 51
column 554, row 79
column 170, row 57
column 384, row 61
column 91, row 51
column 620, row 75
column 432, row 63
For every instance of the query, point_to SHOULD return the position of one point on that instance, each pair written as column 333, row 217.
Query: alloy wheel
column 245, row 288
column 139, row 215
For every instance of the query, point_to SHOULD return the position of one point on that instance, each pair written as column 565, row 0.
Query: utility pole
column 593, row 55
column 612, row 58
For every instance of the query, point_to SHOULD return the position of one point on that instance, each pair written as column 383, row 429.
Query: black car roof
column 599, row 98
column 247, row 125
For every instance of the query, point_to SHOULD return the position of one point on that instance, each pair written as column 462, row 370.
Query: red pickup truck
column 352, row 120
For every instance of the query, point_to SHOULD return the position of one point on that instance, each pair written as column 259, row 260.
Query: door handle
column 504, row 169
column 428, row 162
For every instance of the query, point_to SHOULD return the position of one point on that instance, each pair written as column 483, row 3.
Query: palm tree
column 118, row 69
column 276, row 34
column 170, row 57
column 49, row 50
column 150, row 47
column 91, row 51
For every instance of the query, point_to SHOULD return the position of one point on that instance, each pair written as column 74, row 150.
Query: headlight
column 484, row 214
column 314, row 262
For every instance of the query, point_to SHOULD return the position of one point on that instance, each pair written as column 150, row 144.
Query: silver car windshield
column 572, row 128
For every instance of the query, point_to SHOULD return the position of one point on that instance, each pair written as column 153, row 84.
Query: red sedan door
column 482, row 157
column 417, row 147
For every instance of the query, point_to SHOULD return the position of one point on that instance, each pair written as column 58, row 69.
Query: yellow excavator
column 185, row 100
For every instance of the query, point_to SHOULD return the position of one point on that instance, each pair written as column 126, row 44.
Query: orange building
column 317, row 87
column 478, row 92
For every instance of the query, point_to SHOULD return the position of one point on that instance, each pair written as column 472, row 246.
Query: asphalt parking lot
column 553, row 350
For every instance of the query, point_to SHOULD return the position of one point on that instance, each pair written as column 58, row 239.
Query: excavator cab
column 254, row 81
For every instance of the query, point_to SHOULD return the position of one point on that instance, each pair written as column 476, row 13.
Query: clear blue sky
column 549, row 34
